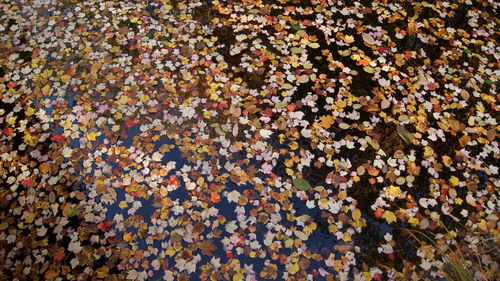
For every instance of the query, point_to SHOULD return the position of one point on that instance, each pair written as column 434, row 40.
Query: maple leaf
column 389, row 216
column 326, row 121
column 207, row 247
column 269, row 272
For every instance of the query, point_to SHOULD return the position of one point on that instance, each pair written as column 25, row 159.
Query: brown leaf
column 269, row 272
column 343, row 248
column 368, row 39
column 198, row 228
column 465, row 95
column 186, row 254
column 207, row 247
column 492, row 134
column 51, row 274
column 304, row 263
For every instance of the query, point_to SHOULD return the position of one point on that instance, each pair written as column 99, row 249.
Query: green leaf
column 313, row 45
column 176, row 237
column 404, row 134
column 72, row 212
column 301, row 184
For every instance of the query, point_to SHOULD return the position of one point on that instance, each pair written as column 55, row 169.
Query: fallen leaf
column 368, row 39
column 301, row 184
column 404, row 134
column 389, row 216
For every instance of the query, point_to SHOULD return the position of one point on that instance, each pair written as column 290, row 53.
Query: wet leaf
column 404, row 134
column 301, row 184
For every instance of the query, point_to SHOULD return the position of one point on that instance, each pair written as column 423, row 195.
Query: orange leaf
column 51, row 274
column 326, row 121
column 214, row 197
column 128, row 236
column 372, row 171
column 379, row 213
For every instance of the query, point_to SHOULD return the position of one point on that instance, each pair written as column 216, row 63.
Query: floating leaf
column 269, row 272
column 176, row 237
column 356, row 214
column 313, row 45
column 343, row 248
column 368, row 39
column 326, row 121
column 293, row 268
column 51, row 274
column 301, row 184
column 344, row 126
column 389, row 216
column 404, row 134
column 72, row 212
column 385, row 104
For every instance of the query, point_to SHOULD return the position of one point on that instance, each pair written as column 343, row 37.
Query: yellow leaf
column 288, row 163
column 30, row 218
column 214, row 96
column 47, row 73
column 123, row 99
column 46, row 89
column 326, row 121
column 65, row 78
column 144, row 98
column 207, row 114
column 413, row 221
column 67, row 125
column 348, row 39
column 454, row 181
column 356, row 214
column 389, row 216
column 367, row 276
column 127, row 236
column 238, row 276
column 342, row 195
column 170, row 251
column 293, row 268
column 392, row 191
column 102, row 272
column 369, row 69
column 29, row 111
column 347, row 237
column 294, row 145
column 30, row 139
column 91, row 136
column 323, row 203
column 123, row 204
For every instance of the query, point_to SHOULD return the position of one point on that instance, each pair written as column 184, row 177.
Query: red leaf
column 129, row 123
column 57, row 138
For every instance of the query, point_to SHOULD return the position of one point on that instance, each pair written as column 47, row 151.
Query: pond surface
column 248, row 140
